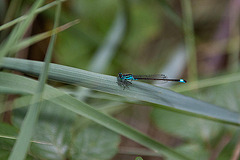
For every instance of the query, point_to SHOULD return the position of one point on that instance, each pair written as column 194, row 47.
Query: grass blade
column 167, row 99
column 34, row 39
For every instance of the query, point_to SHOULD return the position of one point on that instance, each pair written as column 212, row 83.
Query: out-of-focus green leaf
column 8, row 135
column 106, row 52
column 230, row 149
column 194, row 150
column 138, row 158
column 54, row 127
column 95, row 143
column 189, row 39
column 4, row 154
column 7, row 130
column 104, row 55
column 185, row 126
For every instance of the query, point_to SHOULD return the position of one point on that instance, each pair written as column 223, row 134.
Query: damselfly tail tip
column 182, row 81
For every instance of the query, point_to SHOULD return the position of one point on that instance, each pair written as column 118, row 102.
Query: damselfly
column 124, row 80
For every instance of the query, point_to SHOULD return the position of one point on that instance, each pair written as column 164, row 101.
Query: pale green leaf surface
column 53, row 127
column 51, row 137
column 7, row 137
column 141, row 91
column 4, row 154
column 186, row 126
column 7, row 130
column 70, row 103
column 195, row 150
column 95, row 143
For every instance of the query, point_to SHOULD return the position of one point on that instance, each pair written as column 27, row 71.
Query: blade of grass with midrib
column 167, row 99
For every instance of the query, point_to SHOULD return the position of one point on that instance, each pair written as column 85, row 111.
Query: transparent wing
column 149, row 77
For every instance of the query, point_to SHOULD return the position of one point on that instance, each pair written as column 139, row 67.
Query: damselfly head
column 120, row 75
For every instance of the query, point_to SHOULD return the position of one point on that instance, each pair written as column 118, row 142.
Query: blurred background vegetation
column 195, row 40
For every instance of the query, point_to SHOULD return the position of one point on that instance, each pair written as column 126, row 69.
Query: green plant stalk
column 21, row 146
column 189, row 40
column 234, row 49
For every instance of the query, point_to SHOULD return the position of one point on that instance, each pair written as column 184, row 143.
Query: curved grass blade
column 145, row 92
column 36, row 38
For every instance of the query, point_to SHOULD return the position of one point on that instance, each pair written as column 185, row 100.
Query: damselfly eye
column 120, row 75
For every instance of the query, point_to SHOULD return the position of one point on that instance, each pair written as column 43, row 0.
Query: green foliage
column 94, row 143
column 138, row 158
column 118, row 36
